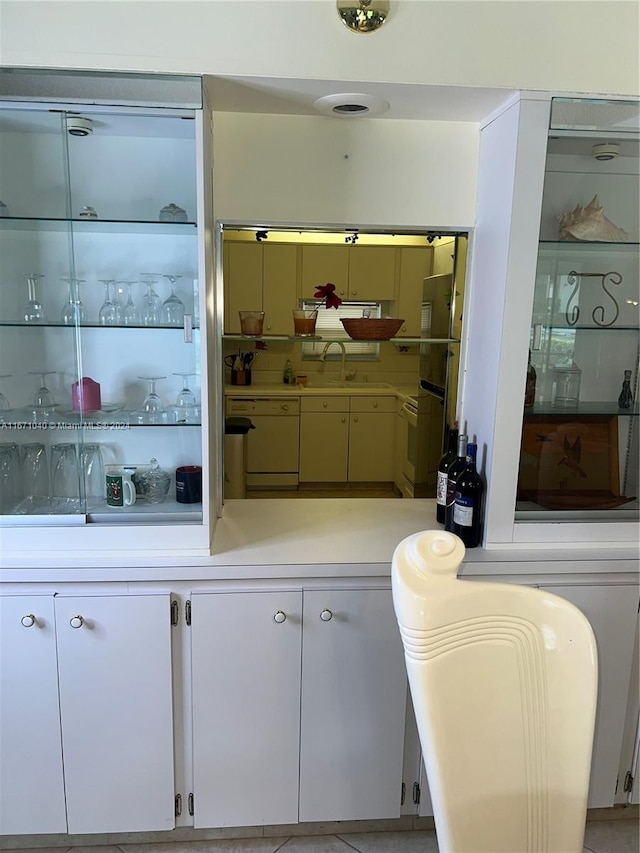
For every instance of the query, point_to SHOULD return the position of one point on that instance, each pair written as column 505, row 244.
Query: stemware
column 5, row 405
column 109, row 313
column 151, row 304
column 9, row 477
column 130, row 313
column 33, row 310
column 65, row 477
column 35, row 471
column 186, row 408
column 73, row 312
column 44, row 404
column 173, row 306
column 152, row 410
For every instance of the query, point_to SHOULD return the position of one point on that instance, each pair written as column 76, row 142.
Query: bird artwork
column 572, row 456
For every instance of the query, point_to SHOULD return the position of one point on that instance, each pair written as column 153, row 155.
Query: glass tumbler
column 65, row 477
column 93, row 475
column 9, row 477
column 35, row 470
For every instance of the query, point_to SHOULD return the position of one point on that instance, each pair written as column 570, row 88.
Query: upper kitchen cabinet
column 565, row 362
column 106, row 250
column 260, row 277
column 360, row 273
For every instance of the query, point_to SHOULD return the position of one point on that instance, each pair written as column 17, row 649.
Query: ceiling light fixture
column 79, row 126
column 366, row 16
column 606, row 151
column 351, row 105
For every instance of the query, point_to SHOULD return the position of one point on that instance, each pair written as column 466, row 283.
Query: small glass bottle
column 626, row 397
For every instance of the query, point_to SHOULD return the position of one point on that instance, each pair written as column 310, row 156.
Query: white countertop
column 350, row 389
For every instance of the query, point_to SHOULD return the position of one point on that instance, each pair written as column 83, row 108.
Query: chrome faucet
column 323, row 355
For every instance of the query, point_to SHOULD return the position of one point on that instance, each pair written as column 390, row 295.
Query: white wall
column 319, row 170
column 584, row 46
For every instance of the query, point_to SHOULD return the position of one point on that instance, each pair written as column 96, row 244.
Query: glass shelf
column 48, row 325
column 93, row 421
column 571, row 246
column 298, row 340
column 95, row 226
column 582, row 409
column 566, row 327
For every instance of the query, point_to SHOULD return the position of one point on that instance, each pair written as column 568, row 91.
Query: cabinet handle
column 343, row 420
column 375, row 405
column 355, row 419
column 28, row 621
column 268, row 328
column 280, row 617
column 354, row 292
column 76, row 621
column 324, row 405
column 326, row 615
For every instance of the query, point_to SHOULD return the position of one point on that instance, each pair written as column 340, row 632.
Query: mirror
column 334, row 414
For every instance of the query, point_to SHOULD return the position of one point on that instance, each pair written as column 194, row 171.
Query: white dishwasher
column 273, row 447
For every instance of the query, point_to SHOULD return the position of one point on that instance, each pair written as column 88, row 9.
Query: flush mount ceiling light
column 79, row 126
column 363, row 16
column 606, row 151
column 351, row 105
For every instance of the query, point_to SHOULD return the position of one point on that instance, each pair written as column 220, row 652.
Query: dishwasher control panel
column 248, row 406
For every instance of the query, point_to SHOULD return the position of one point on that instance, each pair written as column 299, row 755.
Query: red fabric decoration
column 327, row 292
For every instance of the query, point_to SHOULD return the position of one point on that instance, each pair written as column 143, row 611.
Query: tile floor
column 603, row 836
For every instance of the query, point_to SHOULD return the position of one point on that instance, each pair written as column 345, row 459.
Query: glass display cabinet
column 103, row 247
column 579, row 449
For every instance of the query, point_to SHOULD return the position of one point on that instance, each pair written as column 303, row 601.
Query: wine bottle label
column 441, row 489
column 463, row 511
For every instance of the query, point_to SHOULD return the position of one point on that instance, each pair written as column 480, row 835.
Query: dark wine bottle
column 455, row 470
column 443, row 470
column 467, row 508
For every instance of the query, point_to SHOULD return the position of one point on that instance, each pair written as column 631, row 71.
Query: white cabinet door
column 279, row 287
column 372, row 447
column 612, row 612
column 415, row 265
column 354, row 691
column 324, row 447
column 31, row 778
column 246, row 650
column 242, row 282
column 372, row 273
column 116, row 709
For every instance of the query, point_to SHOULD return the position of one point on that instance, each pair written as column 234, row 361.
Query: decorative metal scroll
column 572, row 312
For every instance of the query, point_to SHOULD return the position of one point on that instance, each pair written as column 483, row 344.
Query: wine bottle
column 530, row 388
column 443, row 469
column 455, row 470
column 626, row 396
column 467, row 508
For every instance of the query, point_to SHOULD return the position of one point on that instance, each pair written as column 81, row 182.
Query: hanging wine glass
column 151, row 304
column 186, row 408
column 44, row 404
column 130, row 313
column 33, row 310
column 173, row 306
column 73, row 312
column 152, row 411
column 108, row 315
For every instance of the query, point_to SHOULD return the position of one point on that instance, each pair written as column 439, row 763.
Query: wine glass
column 173, row 306
column 33, row 310
column 44, row 404
column 5, row 406
column 109, row 313
column 73, row 312
column 152, row 411
column 130, row 313
column 186, row 408
column 151, row 305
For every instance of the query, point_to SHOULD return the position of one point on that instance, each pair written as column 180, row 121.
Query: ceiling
column 407, row 101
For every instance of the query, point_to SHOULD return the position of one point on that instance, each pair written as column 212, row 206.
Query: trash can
column 235, row 456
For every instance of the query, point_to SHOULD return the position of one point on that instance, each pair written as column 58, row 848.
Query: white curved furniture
column 503, row 680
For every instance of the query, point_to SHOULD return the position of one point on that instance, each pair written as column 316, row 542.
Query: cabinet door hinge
column 628, row 783
column 403, row 794
column 178, row 808
column 190, row 804
column 187, row 612
column 175, row 612
column 416, row 794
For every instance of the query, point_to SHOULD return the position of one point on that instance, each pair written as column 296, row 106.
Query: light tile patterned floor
column 611, row 836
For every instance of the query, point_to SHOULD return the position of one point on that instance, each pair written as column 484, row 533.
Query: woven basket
column 371, row 329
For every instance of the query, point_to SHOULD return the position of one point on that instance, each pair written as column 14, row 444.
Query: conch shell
column 590, row 223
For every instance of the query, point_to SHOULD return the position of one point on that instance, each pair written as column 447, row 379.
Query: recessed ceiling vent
column 606, row 151
column 351, row 105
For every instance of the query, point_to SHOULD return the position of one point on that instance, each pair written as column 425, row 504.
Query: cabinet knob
column 285, row 407
column 280, row 617
column 326, row 615
column 343, row 420
column 355, row 419
column 268, row 328
column 324, row 405
column 354, row 292
column 28, row 621
column 76, row 621
column 375, row 405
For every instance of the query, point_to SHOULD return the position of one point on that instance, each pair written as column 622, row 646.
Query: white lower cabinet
column 298, row 706
column 87, row 722
column 31, row 775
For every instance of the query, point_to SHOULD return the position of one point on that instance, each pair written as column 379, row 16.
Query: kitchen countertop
column 271, row 390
